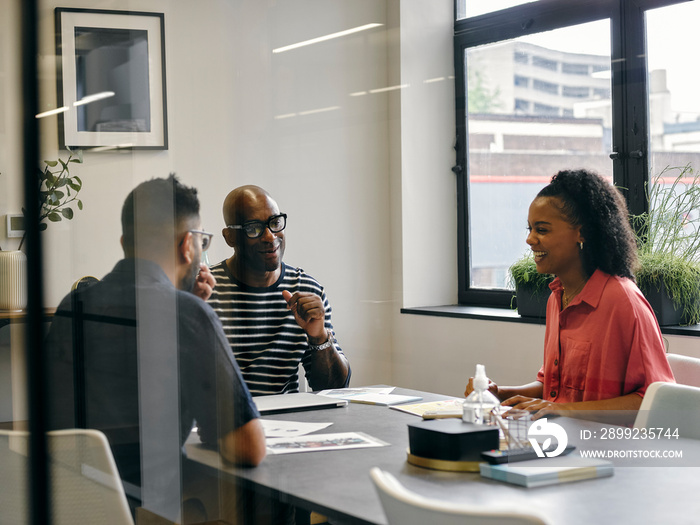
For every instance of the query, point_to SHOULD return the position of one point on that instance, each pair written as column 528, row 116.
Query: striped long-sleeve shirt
column 265, row 339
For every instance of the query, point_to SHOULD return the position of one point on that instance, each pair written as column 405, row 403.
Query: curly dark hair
column 598, row 207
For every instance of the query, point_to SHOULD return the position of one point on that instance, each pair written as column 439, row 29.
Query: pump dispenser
column 478, row 405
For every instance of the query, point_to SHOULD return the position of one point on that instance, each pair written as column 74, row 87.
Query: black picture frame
column 111, row 79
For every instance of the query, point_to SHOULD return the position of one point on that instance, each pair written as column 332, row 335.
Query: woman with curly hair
column 603, row 345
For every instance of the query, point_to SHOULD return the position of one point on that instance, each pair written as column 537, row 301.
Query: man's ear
column 185, row 250
column 229, row 236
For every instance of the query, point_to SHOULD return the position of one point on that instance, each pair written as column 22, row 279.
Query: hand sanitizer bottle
column 479, row 404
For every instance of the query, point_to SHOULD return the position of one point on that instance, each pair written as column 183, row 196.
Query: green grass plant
column 668, row 238
column 523, row 272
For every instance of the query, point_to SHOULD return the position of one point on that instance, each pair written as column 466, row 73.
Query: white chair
column 405, row 507
column 685, row 369
column 670, row 406
column 85, row 484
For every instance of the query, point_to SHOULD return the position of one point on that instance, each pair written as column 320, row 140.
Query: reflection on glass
column 112, row 61
column 536, row 105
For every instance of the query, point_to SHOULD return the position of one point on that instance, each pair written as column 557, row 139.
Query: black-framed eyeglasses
column 255, row 229
column 206, row 238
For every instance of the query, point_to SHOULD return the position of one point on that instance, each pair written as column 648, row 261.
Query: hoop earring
column 580, row 245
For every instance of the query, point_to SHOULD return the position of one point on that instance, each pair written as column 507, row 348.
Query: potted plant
column 58, row 190
column 531, row 287
column 668, row 237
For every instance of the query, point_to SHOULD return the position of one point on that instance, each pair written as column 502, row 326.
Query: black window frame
column 630, row 135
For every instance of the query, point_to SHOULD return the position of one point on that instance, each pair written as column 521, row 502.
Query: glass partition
column 222, row 95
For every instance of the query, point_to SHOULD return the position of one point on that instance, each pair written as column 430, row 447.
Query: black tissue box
column 451, row 439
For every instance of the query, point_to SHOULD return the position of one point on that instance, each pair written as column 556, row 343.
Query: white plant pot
column 13, row 280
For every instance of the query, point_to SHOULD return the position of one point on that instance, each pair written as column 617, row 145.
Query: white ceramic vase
column 13, row 280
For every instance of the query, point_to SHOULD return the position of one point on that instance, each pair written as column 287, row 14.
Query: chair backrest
column 85, row 484
column 685, row 369
column 405, row 507
column 670, row 406
column 84, row 282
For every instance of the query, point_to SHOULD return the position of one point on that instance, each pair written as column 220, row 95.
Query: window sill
column 511, row 316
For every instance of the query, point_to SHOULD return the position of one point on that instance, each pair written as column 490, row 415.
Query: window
column 544, row 109
column 628, row 112
column 575, row 91
column 544, row 63
column 574, row 69
column 546, row 87
column 465, row 8
column 522, row 106
column 675, row 132
column 521, row 81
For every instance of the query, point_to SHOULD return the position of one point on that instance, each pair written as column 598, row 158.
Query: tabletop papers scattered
column 549, row 471
column 274, row 428
column 322, row 442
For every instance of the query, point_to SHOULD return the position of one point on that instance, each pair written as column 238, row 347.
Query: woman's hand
column 493, row 388
column 535, row 406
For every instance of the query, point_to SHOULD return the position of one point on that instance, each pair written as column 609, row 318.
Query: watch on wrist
column 323, row 346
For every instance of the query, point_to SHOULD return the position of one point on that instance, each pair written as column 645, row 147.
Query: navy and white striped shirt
column 265, row 339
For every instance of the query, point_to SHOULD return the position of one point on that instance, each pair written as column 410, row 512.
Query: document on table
column 279, row 429
column 442, row 408
column 347, row 393
column 322, row 442
column 370, row 396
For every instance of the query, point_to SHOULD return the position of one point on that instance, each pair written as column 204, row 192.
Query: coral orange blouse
column 605, row 344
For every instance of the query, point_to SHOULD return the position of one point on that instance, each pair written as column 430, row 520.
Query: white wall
column 367, row 186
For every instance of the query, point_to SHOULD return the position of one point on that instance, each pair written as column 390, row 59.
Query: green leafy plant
column 523, row 276
column 668, row 238
column 523, row 272
column 58, row 189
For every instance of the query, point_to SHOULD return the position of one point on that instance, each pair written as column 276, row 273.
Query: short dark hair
column 155, row 208
column 598, row 207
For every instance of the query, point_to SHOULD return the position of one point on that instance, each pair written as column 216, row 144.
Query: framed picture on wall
column 111, row 79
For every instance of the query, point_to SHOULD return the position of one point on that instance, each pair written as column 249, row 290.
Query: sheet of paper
column 347, row 393
column 419, row 409
column 322, row 442
column 279, row 429
column 382, row 399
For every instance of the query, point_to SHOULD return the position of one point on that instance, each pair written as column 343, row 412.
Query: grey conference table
column 337, row 484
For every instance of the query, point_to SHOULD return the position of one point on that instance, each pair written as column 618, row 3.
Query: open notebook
column 280, row 403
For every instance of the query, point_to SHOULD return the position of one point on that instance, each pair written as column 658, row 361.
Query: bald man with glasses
column 275, row 316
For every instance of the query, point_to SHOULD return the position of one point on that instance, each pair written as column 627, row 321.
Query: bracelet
column 323, row 346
